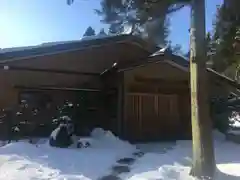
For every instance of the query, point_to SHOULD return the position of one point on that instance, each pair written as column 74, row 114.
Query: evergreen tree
column 177, row 49
column 89, row 32
column 102, row 32
column 114, row 29
column 148, row 19
column 225, row 58
column 236, row 44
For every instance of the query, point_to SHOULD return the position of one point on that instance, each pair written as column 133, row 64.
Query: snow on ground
column 236, row 132
column 22, row 160
column 169, row 161
column 176, row 163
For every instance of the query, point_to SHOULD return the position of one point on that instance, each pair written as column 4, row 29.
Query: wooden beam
column 56, row 71
column 149, row 94
column 161, row 81
column 55, row 88
column 224, row 78
column 146, row 87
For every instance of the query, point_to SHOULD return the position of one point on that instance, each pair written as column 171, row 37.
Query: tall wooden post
column 203, row 152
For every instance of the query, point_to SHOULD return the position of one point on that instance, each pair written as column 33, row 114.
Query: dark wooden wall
column 152, row 117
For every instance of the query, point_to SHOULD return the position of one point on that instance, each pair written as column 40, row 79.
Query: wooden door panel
column 148, row 117
column 131, row 117
column 132, row 124
column 151, row 116
column 168, row 113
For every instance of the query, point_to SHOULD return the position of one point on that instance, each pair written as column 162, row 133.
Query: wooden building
column 154, row 97
column 138, row 95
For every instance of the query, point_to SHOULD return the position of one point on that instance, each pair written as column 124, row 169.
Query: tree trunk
column 203, row 152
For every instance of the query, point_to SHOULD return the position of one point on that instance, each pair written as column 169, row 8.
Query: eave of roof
column 174, row 60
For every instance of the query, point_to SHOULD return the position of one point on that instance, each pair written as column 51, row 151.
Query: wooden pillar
column 203, row 151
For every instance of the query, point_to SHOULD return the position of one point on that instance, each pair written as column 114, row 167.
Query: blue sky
column 31, row 22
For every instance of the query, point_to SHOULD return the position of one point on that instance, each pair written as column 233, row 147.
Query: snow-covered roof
column 5, row 50
column 159, row 52
column 176, row 58
column 48, row 44
column 160, row 55
column 56, row 47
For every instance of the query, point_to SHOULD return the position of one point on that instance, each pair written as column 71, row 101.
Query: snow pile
column 97, row 133
column 107, row 139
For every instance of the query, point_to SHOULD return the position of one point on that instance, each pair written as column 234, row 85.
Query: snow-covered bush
column 60, row 137
column 12, row 119
column 65, row 113
column 235, row 120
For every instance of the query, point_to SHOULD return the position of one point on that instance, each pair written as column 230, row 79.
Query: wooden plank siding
column 151, row 116
column 120, row 102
